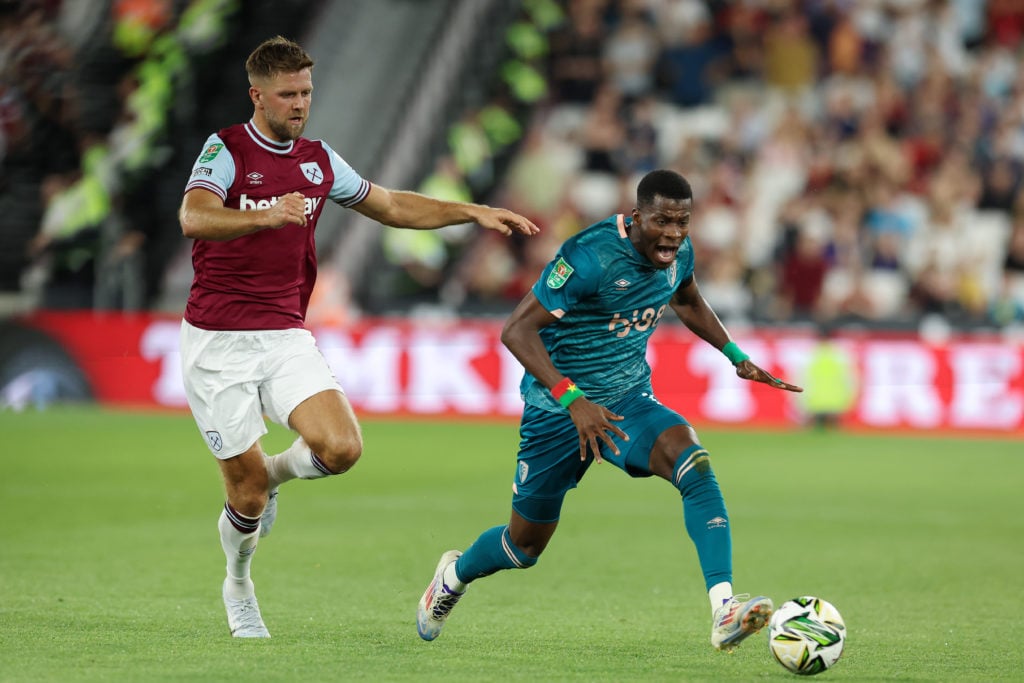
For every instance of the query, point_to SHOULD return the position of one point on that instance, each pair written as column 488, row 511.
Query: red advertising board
column 460, row 368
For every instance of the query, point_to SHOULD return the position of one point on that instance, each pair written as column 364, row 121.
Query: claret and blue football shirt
column 263, row 280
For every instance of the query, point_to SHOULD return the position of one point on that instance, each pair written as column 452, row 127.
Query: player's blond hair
column 274, row 56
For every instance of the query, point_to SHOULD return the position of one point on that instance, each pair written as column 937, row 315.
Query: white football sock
column 451, row 579
column 238, row 549
column 293, row 463
column 719, row 594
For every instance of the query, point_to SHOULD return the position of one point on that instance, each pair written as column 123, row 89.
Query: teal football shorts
column 549, row 465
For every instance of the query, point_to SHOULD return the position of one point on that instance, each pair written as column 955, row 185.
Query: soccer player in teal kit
column 581, row 334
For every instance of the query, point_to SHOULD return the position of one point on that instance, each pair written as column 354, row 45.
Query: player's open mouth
column 665, row 254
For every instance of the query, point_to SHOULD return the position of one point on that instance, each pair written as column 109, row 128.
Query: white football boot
column 269, row 515
column 437, row 600
column 244, row 618
column 740, row 616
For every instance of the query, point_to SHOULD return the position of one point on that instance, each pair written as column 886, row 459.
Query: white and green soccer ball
column 806, row 635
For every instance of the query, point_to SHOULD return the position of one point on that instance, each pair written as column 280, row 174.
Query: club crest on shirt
column 672, row 273
column 312, row 171
column 211, row 152
column 559, row 273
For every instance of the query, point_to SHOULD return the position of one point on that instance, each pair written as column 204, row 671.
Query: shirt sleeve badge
column 559, row 274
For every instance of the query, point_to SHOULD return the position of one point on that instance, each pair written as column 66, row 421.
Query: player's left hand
column 594, row 424
column 505, row 222
column 747, row 370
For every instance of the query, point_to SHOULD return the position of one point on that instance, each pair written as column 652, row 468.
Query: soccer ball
column 806, row 635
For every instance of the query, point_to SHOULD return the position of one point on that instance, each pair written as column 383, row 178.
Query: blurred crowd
column 92, row 95
column 852, row 160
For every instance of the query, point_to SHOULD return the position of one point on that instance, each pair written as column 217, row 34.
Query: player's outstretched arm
column 521, row 335
column 691, row 307
column 402, row 209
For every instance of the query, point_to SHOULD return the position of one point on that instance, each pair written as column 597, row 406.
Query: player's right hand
column 747, row 370
column 506, row 222
column 593, row 422
column 289, row 209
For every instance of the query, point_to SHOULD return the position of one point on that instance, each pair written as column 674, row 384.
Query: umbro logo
column 717, row 523
column 255, row 178
column 621, row 283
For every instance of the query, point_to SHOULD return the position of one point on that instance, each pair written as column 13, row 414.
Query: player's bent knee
column 339, row 453
column 529, row 553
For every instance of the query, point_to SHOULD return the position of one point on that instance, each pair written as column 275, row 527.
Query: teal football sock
column 707, row 521
column 491, row 552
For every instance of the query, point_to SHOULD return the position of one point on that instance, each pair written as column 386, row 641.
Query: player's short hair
column 665, row 183
column 276, row 55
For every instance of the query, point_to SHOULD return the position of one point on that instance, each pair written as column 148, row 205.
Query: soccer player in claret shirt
column 251, row 205
column 581, row 334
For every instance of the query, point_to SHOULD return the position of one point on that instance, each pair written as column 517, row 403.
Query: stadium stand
column 104, row 104
column 856, row 162
column 853, row 162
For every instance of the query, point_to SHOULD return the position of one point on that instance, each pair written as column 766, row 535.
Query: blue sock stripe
column 319, row 464
column 682, row 468
column 246, row 525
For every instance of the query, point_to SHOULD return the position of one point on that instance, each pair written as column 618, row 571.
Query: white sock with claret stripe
column 297, row 462
column 238, row 538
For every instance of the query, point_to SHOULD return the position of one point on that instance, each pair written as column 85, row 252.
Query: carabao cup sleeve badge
column 560, row 272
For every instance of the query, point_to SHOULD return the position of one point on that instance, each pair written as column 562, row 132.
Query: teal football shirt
column 608, row 299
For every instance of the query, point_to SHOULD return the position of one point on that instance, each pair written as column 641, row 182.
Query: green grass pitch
column 110, row 566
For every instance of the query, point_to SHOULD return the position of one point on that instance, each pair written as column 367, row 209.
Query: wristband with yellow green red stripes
column 566, row 391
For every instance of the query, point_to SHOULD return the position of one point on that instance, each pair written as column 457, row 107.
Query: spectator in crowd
column 577, row 50
column 802, row 277
column 690, row 65
column 631, row 52
column 791, row 57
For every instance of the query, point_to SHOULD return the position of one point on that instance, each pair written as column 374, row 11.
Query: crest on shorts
column 210, row 153
column 560, row 272
column 524, row 470
column 213, row 438
column 312, row 171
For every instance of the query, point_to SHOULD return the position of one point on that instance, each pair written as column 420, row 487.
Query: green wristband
column 734, row 353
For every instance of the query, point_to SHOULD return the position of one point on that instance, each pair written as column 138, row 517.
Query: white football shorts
column 232, row 379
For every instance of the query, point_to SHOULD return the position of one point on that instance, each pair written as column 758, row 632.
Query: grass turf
column 110, row 566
